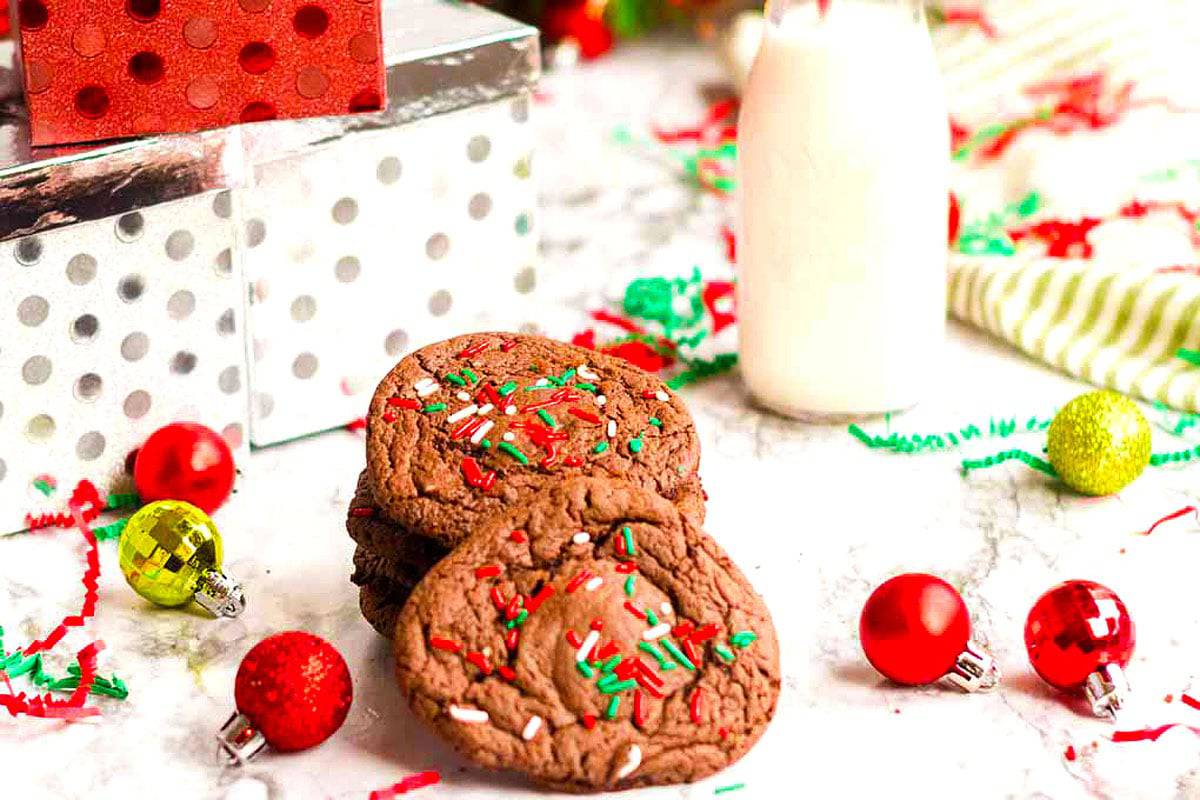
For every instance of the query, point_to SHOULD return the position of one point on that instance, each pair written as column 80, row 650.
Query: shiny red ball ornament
column 915, row 630
column 293, row 691
column 185, row 461
column 1079, row 635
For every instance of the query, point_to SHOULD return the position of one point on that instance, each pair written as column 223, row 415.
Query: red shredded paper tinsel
column 411, row 783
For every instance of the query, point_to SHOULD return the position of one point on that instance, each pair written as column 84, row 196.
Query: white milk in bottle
column 844, row 159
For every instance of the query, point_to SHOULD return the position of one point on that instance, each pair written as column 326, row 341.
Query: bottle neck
column 776, row 9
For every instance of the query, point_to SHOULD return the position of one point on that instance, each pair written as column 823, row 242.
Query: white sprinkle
column 483, row 429
column 487, row 651
column 542, row 382
column 666, row 608
column 427, row 389
column 463, row 396
column 486, row 409
column 633, row 760
column 661, row 395
column 510, row 410
column 612, row 428
column 421, row 384
column 657, row 632
column 462, row 413
column 581, row 538
column 531, row 728
column 585, row 373
column 594, row 584
column 582, row 653
column 469, row 715
column 509, row 436
column 601, row 400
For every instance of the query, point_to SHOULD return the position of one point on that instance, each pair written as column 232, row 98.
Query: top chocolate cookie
column 465, row 428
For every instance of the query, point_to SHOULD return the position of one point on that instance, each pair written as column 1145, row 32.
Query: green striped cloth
column 1102, row 322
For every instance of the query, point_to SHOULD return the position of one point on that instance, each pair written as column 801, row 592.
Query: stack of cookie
column 528, row 535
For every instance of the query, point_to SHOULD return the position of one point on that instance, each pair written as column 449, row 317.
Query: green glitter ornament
column 170, row 553
column 1099, row 443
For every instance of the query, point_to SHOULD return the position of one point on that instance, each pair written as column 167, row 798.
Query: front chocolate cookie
column 594, row 640
column 460, row 430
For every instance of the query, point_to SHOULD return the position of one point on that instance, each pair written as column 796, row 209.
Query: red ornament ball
column 295, row 688
column 185, row 461
column 913, row 628
column 1076, row 628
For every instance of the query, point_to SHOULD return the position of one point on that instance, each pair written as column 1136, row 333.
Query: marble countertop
column 815, row 519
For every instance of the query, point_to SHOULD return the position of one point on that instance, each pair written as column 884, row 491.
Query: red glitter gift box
column 106, row 69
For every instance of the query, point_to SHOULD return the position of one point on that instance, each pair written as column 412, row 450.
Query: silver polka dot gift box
column 260, row 279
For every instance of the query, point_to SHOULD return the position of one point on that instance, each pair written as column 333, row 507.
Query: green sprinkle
column 651, row 617
column 613, row 705
column 630, row 585
column 471, row 376
column 432, row 407
column 112, row 530
column 455, row 379
column 587, row 387
column 486, row 444
column 600, row 447
column 514, row 452
column 119, row 501
column 724, row 652
column 43, row 487
column 584, row 669
column 663, row 664
column 677, row 654
column 656, row 422
column 733, row 787
column 611, row 664
column 743, row 638
column 606, row 681
column 630, row 547
column 635, row 445
column 566, row 376
column 519, row 619
column 619, row 686
column 507, row 389
column 547, row 417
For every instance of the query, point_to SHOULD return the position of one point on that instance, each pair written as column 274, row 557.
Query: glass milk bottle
column 844, row 158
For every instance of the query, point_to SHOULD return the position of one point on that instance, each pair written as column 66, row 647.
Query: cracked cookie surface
column 461, row 430
column 594, row 639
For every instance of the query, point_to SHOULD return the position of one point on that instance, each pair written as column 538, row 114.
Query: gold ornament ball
column 165, row 548
column 1099, row 443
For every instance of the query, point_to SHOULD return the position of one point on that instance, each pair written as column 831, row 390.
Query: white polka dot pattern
column 114, row 329
column 405, row 236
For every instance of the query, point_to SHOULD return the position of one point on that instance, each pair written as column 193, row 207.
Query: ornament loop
column 239, row 741
column 219, row 594
column 974, row 670
column 1107, row 690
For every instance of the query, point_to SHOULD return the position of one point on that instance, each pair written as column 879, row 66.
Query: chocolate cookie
column 593, row 639
column 461, row 430
column 376, row 533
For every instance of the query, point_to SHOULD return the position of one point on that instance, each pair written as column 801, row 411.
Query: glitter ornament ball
column 170, row 553
column 913, row 628
column 185, row 461
column 1075, row 629
column 1099, row 443
column 293, row 691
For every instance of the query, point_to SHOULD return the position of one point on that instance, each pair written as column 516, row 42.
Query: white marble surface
column 815, row 520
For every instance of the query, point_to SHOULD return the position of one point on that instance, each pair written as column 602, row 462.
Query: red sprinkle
column 410, row 783
column 572, row 461
column 682, row 630
column 558, row 397
column 362, row 511
column 625, row 669
column 1069, row 753
column 632, row 609
column 513, row 608
column 609, row 650
column 506, row 345
column 597, row 624
column 574, row 640
column 488, row 571
column 542, row 596
column 646, row 670
column 689, row 650
column 507, row 672
column 723, row 733
column 476, row 476
column 448, row 645
column 511, row 638
column 475, row 349
column 581, row 578
column 589, row 721
column 586, row 416
column 694, row 709
column 357, row 424
column 639, row 711
column 518, row 536
column 468, row 427
column 704, row 633
column 1189, row 701
column 498, row 598
column 389, row 416
column 480, row 661
column 626, row 567
column 404, row 402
